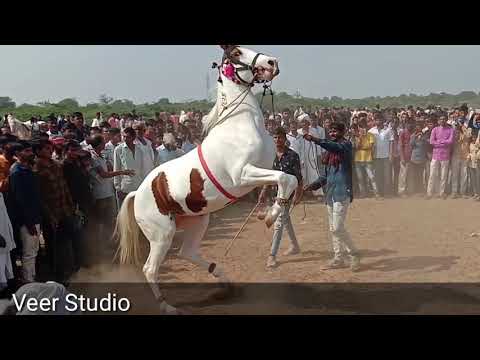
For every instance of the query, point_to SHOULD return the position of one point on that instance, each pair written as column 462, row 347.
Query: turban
column 168, row 138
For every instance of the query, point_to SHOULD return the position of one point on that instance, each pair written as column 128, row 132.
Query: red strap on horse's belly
column 211, row 177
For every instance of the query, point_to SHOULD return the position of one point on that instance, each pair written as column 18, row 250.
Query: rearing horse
column 235, row 158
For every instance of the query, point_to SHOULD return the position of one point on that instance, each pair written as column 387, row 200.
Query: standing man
column 441, row 139
column 364, row 143
column 383, row 168
column 461, row 150
column 287, row 161
column 81, row 132
column 57, row 211
column 337, row 182
column 404, row 179
column 127, row 156
column 25, row 207
column 148, row 156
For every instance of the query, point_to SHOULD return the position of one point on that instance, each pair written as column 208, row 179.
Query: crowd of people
column 396, row 152
column 61, row 188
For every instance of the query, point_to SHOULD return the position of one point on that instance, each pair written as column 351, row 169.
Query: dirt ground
column 401, row 241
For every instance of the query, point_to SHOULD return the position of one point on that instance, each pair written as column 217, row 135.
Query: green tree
column 6, row 102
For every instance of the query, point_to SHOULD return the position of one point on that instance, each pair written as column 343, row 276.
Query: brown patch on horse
column 165, row 203
column 195, row 200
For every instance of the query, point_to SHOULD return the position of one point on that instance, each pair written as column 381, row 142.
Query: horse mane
column 212, row 116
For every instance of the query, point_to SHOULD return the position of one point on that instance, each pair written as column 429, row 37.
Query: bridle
column 227, row 55
column 241, row 66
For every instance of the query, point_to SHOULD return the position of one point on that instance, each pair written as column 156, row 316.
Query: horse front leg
column 255, row 176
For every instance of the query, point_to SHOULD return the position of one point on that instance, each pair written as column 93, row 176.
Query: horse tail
column 128, row 233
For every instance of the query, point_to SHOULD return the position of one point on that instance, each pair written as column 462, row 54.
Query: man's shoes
column 271, row 262
column 428, row 197
column 292, row 250
column 454, row 196
column 444, row 196
column 335, row 264
column 355, row 264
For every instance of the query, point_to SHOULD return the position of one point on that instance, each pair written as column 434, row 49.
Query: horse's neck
column 236, row 93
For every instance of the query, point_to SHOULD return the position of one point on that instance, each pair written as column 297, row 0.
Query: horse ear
column 225, row 47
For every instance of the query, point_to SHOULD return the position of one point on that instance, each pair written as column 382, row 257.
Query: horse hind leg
column 195, row 228
column 160, row 239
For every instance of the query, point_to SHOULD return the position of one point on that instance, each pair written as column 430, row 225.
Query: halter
column 227, row 55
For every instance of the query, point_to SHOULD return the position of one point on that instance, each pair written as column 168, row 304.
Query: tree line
column 282, row 100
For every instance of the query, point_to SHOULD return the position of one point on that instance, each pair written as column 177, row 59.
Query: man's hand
column 129, row 172
column 308, row 137
column 32, row 230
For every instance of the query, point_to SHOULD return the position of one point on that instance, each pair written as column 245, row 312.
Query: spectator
column 383, row 169
column 24, row 207
column 57, row 211
column 52, row 128
column 395, row 155
column 459, row 173
column 7, row 244
column 294, row 139
column 80, row 131
column 170, row 150
column 441, row 139
column 77, row 180
column 128, row 156
column 58, row 143
column 472, row 163
column 115, row 137
column 363, row 143
column 288, row 162
column 103, row 194
column 419, row 142
column 145, row 145
column 97, row 120
column 405, row 176
column 6, row 162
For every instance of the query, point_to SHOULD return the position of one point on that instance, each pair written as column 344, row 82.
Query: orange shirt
column 4, row 173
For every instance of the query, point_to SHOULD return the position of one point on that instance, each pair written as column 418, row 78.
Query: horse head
column 248, row 66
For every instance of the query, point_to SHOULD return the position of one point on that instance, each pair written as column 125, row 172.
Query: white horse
column 235, row 158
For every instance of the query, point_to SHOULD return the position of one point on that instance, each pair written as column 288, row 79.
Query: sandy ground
column 402, row 241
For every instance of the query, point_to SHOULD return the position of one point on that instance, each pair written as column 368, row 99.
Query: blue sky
column 146, row 73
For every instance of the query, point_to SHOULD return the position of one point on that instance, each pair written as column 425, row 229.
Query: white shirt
column 108, row 152
column 382, row 141
column 124, row 160
column 95, row 122
column 148, row 155
column 296, row 143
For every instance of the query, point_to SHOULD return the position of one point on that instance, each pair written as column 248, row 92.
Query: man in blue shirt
column 337, row 184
